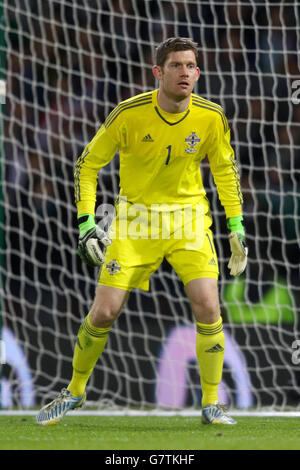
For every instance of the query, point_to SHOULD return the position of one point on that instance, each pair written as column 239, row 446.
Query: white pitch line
column 185, row 413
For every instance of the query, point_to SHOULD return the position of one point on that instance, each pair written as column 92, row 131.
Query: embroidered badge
column 192, row 141
column 113, row 267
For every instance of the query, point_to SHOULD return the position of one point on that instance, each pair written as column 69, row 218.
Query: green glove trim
column 235, row 224
column 85, row 223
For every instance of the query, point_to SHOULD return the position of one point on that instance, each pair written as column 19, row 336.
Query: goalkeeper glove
column 92, row 241
column 239, row 250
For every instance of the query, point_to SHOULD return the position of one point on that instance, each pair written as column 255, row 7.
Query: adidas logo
column 147, row 138
column 212, row 262
column 215, row 349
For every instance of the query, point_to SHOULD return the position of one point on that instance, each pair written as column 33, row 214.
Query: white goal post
column 68, row 63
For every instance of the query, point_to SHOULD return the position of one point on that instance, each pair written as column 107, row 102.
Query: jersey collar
column 169, row 118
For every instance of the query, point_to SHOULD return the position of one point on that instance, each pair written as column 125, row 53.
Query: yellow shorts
column 132, row 258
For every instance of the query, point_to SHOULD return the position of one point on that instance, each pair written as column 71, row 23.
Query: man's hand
column 239, row 250
column 92, row 241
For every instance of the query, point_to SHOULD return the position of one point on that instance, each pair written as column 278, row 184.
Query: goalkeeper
column 161, row 137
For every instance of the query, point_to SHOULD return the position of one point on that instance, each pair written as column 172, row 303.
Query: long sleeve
column 98, row 153
column 225, row 172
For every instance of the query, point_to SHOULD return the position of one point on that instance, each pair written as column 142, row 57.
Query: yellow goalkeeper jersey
column 160, row 155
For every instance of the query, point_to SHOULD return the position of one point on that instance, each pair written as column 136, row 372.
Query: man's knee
column 107, row 306
column 206, row 309
column 204, row 299
column 102, row 316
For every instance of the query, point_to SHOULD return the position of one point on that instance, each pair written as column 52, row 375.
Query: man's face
column 178, row 75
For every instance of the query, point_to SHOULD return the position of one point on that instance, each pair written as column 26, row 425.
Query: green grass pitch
column 148, row 433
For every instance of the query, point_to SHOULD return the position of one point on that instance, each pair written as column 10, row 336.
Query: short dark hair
column 174, row 45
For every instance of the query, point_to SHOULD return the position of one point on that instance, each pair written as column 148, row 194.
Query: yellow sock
column 89, row 345
column 210, row 344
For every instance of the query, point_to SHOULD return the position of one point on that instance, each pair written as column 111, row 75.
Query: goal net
column 68, row 63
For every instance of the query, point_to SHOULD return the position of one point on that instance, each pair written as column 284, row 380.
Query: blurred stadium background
column 65, row 65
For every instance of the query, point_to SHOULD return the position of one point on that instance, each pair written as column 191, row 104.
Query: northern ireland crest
column 113, row 267
column 192, row 141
